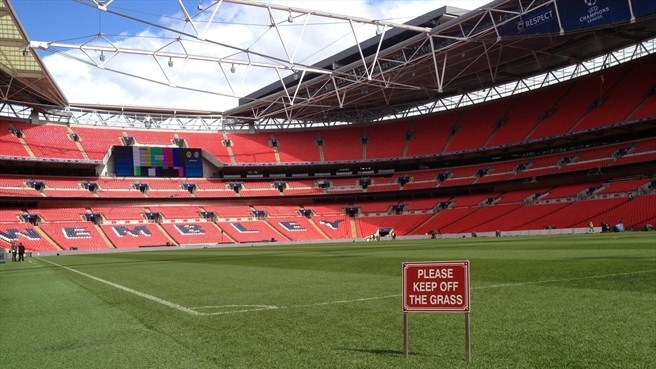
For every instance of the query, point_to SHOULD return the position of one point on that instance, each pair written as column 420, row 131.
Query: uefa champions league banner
column 578, row 14
column 537, row 21
column 575, row 15
column 643, row 7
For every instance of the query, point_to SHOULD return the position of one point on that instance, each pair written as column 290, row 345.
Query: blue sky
column 73, row 19
column 72, row 22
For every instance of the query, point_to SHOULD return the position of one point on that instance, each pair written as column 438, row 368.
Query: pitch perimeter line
column 129, row 290
column 473, row 288
column 560, row 280
column 335, row 302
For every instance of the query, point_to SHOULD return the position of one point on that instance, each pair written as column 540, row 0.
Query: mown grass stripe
column 127, row 289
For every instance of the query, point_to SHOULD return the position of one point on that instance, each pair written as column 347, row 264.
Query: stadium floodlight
column 102, row 57
column 378, row 30
column 232, row 69
column 200, row 5
column 25, row 52
column 290, row 19
column 170, row 62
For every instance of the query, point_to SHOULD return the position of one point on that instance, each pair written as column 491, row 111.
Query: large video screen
column 140, row 161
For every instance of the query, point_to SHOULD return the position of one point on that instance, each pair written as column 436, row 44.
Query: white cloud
column 83, row 83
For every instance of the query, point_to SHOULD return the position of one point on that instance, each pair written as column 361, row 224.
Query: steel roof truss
column 274, row 24
column 341, row 98
column 438, row 76
column 188, row 18
column 5, row 94
column 216, row 5
column 300, row 37
column 225, row 75
column 100, row 63
column 281, row 63
column 331, row 15
column 102, row 5
column 156, row 55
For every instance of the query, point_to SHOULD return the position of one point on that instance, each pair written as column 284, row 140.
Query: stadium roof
column 458, row 54
column 443, row 53
column 23, row 78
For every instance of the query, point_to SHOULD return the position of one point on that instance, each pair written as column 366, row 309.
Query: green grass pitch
column 586, row 301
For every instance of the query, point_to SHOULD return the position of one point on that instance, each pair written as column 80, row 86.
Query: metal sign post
column 405, row 335
column 436, row 286
column 467, row 338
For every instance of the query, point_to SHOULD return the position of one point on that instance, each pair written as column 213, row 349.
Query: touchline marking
column 129, row 290
column 227, row 306
column 251, row 308
column 337, row 302
column 254, row 308
column 561, row 280
column 473, row 288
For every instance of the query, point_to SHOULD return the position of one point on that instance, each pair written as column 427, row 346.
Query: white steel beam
column 274, row 24
column 168, row 54
column 331, row 15
column 280, row 61
column 188, row 18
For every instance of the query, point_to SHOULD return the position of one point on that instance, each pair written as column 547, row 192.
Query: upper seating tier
column 431, row 133
column 50, row 141
column 386, row 140
column 477, row 124
column 343, row 144
column 602, row 99
column 252, row 148
column 291, row 151
column 10, row 145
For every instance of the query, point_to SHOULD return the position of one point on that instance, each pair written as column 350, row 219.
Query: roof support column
column 438, row 77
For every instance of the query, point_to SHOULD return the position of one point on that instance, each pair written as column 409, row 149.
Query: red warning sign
column 436, row 286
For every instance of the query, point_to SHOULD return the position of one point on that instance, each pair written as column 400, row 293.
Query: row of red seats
column 187, row 212
column 126, row 227
column 581, row 160
column 635, row 212
column 605, row 98
column 87, row 236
